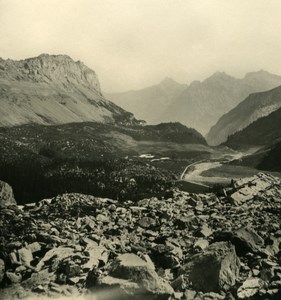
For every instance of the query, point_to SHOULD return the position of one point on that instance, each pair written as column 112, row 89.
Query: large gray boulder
column 135, row 269
column 216, row 269
column 6, row 194
column 246, row 240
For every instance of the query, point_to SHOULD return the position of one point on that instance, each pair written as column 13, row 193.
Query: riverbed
column 193, row 172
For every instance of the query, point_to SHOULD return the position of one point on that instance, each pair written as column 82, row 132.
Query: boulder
column 57, row 254
column 116, row 288
column 248, row 188
column 25, row 256
column 96, row 255
column 250, row 287
column 201, row 244
column 6, row 194
column 131, row 267
column 205, row 231
column 34, row 247
column 147, row 222
column 216, row 269
column 13, row 278
column 166, row 256
column 71, row 269
column 247, row 240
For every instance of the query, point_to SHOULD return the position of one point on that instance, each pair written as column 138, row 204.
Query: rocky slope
column 263, row 132
column 149, row 103
column 201, row 104
column 251, row 109
column 53, row 89
column 185, row 246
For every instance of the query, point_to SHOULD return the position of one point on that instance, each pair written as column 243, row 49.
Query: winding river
column 193, row 172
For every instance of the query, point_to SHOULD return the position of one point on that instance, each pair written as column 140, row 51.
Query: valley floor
column 221, row 170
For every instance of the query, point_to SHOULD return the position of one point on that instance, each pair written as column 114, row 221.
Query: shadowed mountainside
column 201, row 104
column 265, row 134
column 264, row 131
column 251, row 109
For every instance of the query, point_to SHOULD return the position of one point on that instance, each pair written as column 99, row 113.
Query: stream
column 193, row 172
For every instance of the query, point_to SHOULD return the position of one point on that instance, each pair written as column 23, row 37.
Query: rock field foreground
column 186, row 246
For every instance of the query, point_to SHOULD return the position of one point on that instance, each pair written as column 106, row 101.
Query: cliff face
column 60, row 70
column 53, row 89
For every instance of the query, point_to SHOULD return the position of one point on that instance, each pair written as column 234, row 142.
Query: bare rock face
column 6, row 195
column 50, row 68
column 260, row 185
column 54, row 89
column 217, row 268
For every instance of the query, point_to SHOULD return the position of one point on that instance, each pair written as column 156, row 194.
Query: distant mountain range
column 149, row 103
column 199, row 105
column 54, row 89
column 251, row 109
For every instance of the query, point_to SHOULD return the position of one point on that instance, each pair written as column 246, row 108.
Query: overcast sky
column 136, row 43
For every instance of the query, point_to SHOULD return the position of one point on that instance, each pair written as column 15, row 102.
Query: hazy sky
column 136, row 43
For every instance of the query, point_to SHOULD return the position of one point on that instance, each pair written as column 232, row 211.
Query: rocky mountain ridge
column 183, row 246
column 149, row 103
column 201, row 104
column 53, row 89
column 60, row 69
column 255, row 106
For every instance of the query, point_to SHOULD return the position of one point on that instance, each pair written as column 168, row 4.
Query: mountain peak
column 168, row 81
column 53, row 89
column 220, row 75
column 260, row 73
column 57, row 69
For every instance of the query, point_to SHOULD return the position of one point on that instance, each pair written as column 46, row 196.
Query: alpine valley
column 170, row 192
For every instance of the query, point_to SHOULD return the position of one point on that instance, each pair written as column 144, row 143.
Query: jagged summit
column 169, row 81
column 202, row 103
column 260, row 72
column 219, row 76
column 53, row 89
column 50, row 68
